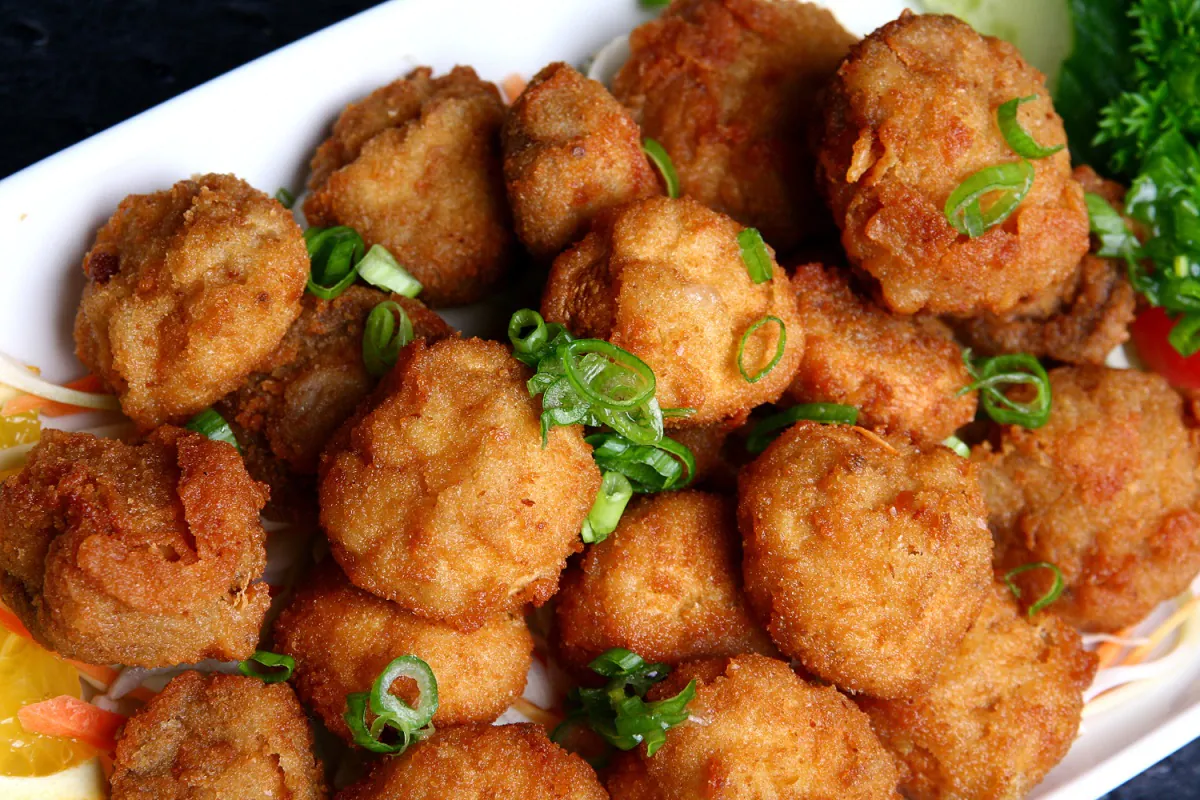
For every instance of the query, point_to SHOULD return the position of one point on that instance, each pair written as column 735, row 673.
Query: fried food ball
column 903, row 374
column 665, row 280
column 481, row 762
column 343, row 637
column 314, row 380
column 666, row 584
column 758, row 730
column 570, row 152
column 187, row 290
column 1003, row 711
column 1108, row 491
column 868, row 558
column 440, row 495
column 415, row 166
column 716, row 464
column 144, row 555
column 218, row 736
column 909, row 117
column 727, row 87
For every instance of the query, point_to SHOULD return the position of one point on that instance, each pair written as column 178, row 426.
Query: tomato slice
column 1149, row 333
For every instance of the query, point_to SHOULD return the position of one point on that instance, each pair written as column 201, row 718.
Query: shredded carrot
column 536, row 713
column 12, row 623
column 875, row 437
column 52, row 408
column 69, row 716
column 512, row 86
column 1107, row 653
column 1163, row 631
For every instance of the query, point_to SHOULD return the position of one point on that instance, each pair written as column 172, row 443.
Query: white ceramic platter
column 262, row 122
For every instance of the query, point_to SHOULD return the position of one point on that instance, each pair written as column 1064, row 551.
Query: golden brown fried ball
column 911, row 115
column 716, row 461
column 667, row 585
column 286, row 411
column 757, row 730
column 218, row 736
column 570, row 152
column 903, row 374
column 481, row 762
column 415, row 166
column 665, row 280
column 343, row 637
column 1108, row 491
column 142, row 555
column 1003, row 711
column 728, row 88
column 440, row 495
column 869, row 558
column 187, row 290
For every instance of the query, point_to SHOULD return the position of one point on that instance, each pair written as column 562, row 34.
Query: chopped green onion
column 278, row 667
column 662, row 161
column 383, row 338
column 607, row 376
column 780, row 346
column 755, row 256
column 1109, row 227
column 618, row 713
column 285, row 198
column 963, row 211
column 606, row 512
column 390, row 712
column 957, row 445
column 654, row 3
column 211, row 424
column 652, row 468
column 1056, row 589
column 1019, row 139
column 531, row 344
column 992, row 375
column 379, row 268
column 769, row 429
column 370, row 737
column 678, row 412
column 333, row 253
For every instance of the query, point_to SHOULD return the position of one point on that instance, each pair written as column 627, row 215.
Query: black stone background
column 69, row 69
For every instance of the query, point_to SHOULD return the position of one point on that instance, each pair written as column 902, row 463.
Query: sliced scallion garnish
column 957, row 445
column 769, row 429
column 650, row 468
column 1019, row 139
column 606, row 512
column 755, row 255
column 1116, row 240
column 383, row 338
column 268, row 667
column 780, row 346
column 662, row 161
column 211, row 424
column 285, row 197
column 1012, row 181
column 410, row 723
column 607, row 376
column 380, row 269
column 334, row 254
column 992, row 375
column 1056, row 588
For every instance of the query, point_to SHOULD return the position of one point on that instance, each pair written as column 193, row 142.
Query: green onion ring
column 957, row 445
column 285, row 197
column 991, row 374
column 755, row 255
column 606, row 512
column 1019, row 139
column 662, row 162
column 766, row 431
column 211, row 424
column 384, row 703
column 536, row 340
column 279, row 667
column 383, row 338
column 333, row 253
column 380, row 269
column 963, row 212
column 623, row 360
column 667, row 459
column 1056, row 589
column 780, row 346
column 369, row 737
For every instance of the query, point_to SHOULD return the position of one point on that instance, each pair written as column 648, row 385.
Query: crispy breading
column 343, row 637
column 666, row 584
column 757, row 730
column 439, row 494
column 1108, row 491
column 570, row 152
column 141, row 555
column 187, row 290
column 481, row 762
column 218, row 736
column 729, row 87
column 717, row 464
column 909, row 117
column 903, row 374
column 868, row 558
column 665, row 280
column 1003, row 711
column 415, row 166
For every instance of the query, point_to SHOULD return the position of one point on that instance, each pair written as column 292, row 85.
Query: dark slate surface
column 74, row 67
